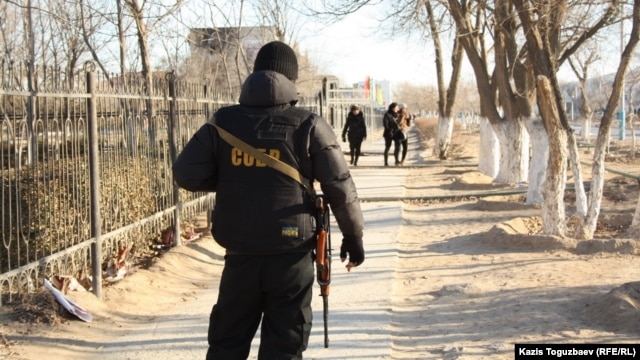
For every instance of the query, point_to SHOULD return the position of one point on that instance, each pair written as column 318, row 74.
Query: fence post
column 173, row 153
column 32, row 144
column 207, row 103
column 94, row 181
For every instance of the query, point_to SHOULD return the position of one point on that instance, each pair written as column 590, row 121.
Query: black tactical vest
column 259, row 210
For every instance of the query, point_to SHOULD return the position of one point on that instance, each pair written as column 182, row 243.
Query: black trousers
column 354, row 150
column 275, row 289
column 387, row 145
column 396, row 150
column 404, row 144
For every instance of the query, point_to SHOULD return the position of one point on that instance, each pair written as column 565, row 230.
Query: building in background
column 224, row 56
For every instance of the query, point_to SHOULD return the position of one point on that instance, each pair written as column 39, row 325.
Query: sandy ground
column 470, row 282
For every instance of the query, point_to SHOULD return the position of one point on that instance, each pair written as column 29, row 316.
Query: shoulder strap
column 272, row 162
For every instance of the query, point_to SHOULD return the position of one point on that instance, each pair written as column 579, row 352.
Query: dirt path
column 458, row 296
column 470, row 290
column 463, row 289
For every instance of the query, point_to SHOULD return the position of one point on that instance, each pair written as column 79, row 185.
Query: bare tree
column 219, row 47
column 175, row 44
column 419, row 17
column 282, row 16
column 542, row 44
column 545, row 49
column 122, row 42
column 92, row 22
column 239, row 47
column 520, row 75
column 68, row 46
column 417, row 98
column 9, row 29
column 598, row 164
column 632, row 83
column 506, row 91
column 588, row 226
column 581, row 63
column 29, row 32
column 446, row 94
column 158, row 14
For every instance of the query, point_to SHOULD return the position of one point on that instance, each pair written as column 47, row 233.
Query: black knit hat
column 279, row 57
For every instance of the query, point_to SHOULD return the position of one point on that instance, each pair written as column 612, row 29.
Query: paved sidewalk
column 359, row 303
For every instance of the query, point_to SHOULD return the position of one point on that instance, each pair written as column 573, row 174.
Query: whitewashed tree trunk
column 539, row 158
column 595, row 193
column 514, row 151
column 489, row 152
column 578, row 180
column 634, row 230
column 632, row 125
column 597, row 182
column 445, row 133
column 586, row 127
column 553, row 214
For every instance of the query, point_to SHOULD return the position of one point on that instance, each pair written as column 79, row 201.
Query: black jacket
column 390, row 124
column 355, row 127
column 259, row 210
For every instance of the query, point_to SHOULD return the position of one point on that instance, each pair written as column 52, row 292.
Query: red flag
column 367, row 87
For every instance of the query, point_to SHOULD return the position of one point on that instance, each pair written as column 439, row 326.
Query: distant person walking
column 404, row 122
column 390, row 124
column 355, row 129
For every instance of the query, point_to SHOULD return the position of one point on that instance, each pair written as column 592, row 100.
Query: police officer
column 264, row 219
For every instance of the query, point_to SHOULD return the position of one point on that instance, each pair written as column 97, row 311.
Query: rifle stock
column 323, row 259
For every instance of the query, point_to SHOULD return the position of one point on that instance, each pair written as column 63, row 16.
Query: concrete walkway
column 359, row 303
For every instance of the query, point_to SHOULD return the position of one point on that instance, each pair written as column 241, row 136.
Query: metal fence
column 85, row 164
column 86, row 168
column 337, row 103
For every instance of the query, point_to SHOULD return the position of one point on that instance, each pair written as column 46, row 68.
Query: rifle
column 323, row 258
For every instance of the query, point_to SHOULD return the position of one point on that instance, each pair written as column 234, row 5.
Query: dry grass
column 39, row 307
column 428, row 130
column 427, row 127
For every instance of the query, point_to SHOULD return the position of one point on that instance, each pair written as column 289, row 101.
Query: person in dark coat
column 264, row 219
column 390, row 125
column 355, row 129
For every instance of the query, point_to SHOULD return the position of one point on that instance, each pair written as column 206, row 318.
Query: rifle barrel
column 325, row 305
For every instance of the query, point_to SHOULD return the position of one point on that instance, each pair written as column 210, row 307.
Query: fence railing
column 86, row 169
column 336, row 105
column 85, row 165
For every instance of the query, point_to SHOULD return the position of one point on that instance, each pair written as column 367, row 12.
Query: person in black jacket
column 264, row 219
column 390, row 124
column 356, row 129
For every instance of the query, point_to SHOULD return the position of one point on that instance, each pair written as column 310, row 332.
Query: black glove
column 353, row 247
